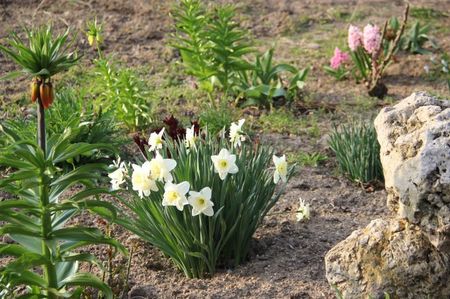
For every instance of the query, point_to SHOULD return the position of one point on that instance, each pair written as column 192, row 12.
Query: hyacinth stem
column 378, row 72
column 41, row 125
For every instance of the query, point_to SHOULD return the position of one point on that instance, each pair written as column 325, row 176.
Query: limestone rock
column 414, row 137
column 389, row 256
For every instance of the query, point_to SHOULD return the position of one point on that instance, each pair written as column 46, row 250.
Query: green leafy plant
column 362, row 62
column 412, row 41
column 339, row 74
column 217, row 225
column 190, row 39
column 36, row 218
column 216, row 119
column 214, row 47
column 416, row 37
column 88, row 125
column 211, row 44
column 357, row 151
column 228, row 45
column 313, row 159
column 43, row 258
column 120, row 90
column 43, row 56
column 263, row 83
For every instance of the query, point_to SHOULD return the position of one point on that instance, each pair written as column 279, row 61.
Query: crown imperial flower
column 175, row 195
column 338, row 58
column 156, row 140
column 224, row 163
column 141, row 179
column 236, row 134
column 354, row 37
column 160, row 168
column 372, row 38
column 201, row 202
column 280, row 169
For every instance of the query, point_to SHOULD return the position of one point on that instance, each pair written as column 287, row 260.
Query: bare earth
column 288, row 257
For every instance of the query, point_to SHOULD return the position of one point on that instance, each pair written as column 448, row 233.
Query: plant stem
column 46, row 218
column 46, row 222
column 127, row 278
column 41, row 126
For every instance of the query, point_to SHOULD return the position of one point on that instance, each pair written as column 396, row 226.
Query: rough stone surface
column 142, row 292
column 414, row 137
column 390, row 256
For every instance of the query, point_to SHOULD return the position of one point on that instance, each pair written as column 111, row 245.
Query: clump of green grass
column 357, row 151
column 313, row 159
column 281, row 121
column 426, row 13
column 286, row 122
column 216, row 118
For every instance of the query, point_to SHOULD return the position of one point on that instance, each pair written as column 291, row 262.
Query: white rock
column 397, row 259
column 414, row 137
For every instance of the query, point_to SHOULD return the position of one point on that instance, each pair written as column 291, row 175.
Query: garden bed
column 286, row 258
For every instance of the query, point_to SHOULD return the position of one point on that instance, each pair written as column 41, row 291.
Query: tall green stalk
column 46, row 218
column 41, row 125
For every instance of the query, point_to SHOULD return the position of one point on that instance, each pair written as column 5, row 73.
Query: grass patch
column 285, row 122
column 215, row 119
column 426, row 13
column 357, row 151
column 313, row 159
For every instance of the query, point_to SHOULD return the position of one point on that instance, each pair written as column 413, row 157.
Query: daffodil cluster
column 200, row 199
column 144, row 177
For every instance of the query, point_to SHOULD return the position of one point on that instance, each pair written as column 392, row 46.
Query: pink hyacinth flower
column 372, row 38
column 338, row 58
column 354, row 37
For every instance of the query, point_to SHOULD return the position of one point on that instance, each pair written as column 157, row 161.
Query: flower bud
column 34, row 90
column 46, row 91
column 100, row 39
column 91, row 39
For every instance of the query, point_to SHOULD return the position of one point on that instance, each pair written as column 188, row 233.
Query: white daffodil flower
column 190, row 137
column 156, row 140
column 201, row 202
column 160, row 168
column 142, row 181
column 236, row 134
column 303, row 211
column 117, row 176
column 280, row 169
column 175, row 195
column 224, row 163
